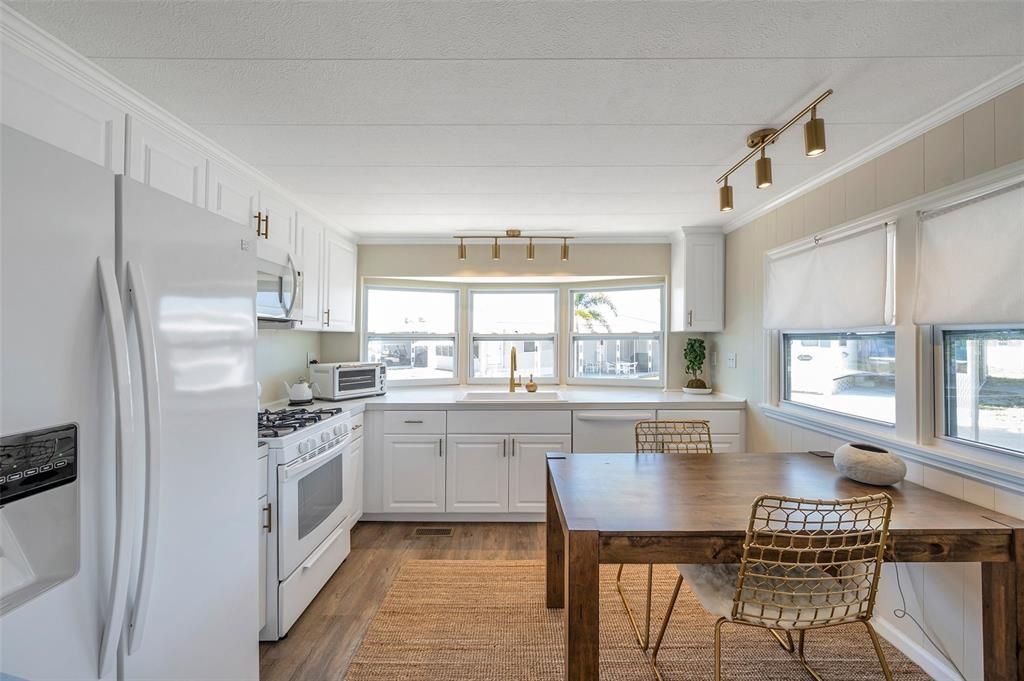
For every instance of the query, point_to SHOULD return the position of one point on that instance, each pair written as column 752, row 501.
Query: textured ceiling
column 402, row 118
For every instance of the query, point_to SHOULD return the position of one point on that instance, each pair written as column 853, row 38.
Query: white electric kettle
column 299, row 393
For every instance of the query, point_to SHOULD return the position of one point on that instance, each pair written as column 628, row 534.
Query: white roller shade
column 970, row 262
column 839, row 282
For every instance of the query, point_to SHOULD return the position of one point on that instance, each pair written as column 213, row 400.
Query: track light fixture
column 725, row 196
column 814, row 145
column 531, row 249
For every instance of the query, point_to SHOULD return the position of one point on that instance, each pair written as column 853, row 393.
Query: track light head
column 763, row 171
column 565, row 250
column 531, row 253
column 725, row 197
column 496, row 250
column 814, row 135
column 462, row 249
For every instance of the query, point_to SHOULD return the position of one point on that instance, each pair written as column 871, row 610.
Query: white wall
column 280, row 357
column 947, row 597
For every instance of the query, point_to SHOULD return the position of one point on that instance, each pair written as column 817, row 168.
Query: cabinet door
column 264, row 525
column 340, row 283
column 528, row 469
column 232, row 196
column 705, row 283
column 280, row 227
column 310, row 258
column 159, row 161
column 412, row 472
column 352, row 481
column 477, row 475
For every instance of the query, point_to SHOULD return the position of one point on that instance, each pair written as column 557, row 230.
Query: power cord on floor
column 901, row 613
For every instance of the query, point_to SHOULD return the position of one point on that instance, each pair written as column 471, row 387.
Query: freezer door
column 56, row 541
column 196, row 616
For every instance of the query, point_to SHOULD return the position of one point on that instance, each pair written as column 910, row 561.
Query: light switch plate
column 730, row 360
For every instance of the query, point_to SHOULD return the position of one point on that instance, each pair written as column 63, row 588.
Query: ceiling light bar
column 531, row 251
column 814, row 145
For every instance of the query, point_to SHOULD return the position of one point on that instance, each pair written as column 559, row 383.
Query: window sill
column 981, row 464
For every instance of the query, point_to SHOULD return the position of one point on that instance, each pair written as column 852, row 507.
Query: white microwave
column 278, row 286
column 345, row 380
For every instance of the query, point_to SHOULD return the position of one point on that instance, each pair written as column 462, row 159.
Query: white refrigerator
column 127, row 338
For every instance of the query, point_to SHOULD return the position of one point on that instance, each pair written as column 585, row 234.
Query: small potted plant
column 694, row 355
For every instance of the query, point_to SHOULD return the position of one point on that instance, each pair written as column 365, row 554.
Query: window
column 983, row 391
column 617, row 335
column 413, row 332
column 525, row 320
column 849, row 373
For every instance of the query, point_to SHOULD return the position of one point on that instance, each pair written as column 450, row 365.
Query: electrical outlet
column 730, row 360
column 310, row 357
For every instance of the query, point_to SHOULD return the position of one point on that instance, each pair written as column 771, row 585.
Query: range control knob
column 303, row 447
column 339, row 431
column 325, row 436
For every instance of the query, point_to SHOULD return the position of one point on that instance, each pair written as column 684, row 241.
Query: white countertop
column 575, row 397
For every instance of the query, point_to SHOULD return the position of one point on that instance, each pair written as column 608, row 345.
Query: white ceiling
column 421, row 118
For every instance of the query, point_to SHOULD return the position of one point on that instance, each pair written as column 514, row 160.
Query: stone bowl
column 869, row 464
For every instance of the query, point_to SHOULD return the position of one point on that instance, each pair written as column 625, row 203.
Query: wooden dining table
column 656, row 508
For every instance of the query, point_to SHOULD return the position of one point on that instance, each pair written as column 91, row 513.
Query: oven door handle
column 322, row 549
column 295, row 470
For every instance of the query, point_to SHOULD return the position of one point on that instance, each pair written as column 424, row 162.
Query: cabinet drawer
column 483, row 422
column 261, row 476
column 355, row 425
column 723, row 444
column 726, row 422
column 413, row 422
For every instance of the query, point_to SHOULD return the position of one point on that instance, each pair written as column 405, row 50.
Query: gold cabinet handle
column 689, row 318
column 269, row 525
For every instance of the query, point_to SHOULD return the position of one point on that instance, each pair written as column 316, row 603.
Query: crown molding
column 449, row 240
column 994, row 87
column 26, row 37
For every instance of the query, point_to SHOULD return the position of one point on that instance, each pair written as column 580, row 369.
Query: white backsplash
column 280, row 358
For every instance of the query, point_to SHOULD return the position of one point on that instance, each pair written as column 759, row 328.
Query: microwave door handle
column 295, row 287
column 117, row 340
column 151, row 392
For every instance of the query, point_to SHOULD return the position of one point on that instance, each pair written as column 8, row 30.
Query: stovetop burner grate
column 281, row 422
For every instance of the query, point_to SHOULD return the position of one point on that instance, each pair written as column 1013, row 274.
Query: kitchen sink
column 505, row 396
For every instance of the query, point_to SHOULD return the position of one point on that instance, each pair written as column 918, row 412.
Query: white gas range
column 316, row 497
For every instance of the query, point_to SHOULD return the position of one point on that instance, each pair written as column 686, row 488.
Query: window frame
column 661, row 336
column 366, row 336
column 938, row 391
column 472, row 337
column 783, row 376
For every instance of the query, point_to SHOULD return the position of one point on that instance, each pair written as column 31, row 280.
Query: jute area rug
column 486, row 621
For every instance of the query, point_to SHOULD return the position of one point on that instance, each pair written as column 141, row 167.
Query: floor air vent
column 432, row 532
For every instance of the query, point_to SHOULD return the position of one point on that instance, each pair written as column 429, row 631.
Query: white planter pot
column 869, row 464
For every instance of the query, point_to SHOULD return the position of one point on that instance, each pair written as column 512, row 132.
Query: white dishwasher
column 606, row 430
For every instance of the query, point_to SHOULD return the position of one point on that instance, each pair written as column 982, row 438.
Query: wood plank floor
column 320, row 646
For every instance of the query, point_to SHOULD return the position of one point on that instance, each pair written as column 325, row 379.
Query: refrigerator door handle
column 117, row 339
column 139, row 302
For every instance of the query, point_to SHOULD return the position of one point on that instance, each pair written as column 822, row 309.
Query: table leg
column 1002, row 594
column 582, row 611
column 554, row 552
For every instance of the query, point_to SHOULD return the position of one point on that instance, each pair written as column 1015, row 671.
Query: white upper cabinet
column 279, row 222
column 49, row 107
column 698, row 280
column 165, row 163
column 310, row 255
column 233, row 196
column 339, row 283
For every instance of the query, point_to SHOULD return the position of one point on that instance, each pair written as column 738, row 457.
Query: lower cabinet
column 477, row 474
column 528, row 470
column 412, row 473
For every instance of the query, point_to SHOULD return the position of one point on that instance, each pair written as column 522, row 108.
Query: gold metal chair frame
column 662, row 437
column 807, row 564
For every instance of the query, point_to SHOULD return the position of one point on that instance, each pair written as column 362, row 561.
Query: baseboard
column 455, row 517
column 926, row 658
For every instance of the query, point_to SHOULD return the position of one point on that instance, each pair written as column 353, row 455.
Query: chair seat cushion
column 770, row 599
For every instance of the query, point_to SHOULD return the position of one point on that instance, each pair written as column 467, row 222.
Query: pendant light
column 531, row 254
column 725, row 197
column 763, row 171
column 495, row 250
column 565, row 250
column 814, row 134
column 462, row 249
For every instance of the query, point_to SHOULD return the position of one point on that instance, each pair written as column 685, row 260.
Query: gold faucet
column 512, row 382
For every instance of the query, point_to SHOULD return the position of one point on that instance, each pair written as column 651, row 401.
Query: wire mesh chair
column 662, row 437
column 807, row 564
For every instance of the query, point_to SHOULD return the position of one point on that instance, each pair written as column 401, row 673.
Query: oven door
column 311, row 504
column 278, row 291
